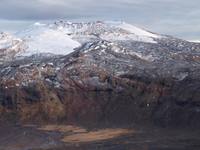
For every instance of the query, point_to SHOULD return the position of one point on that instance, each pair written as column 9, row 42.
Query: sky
column 180, row 18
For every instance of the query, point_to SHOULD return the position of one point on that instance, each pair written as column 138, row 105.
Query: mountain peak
column 62, row 37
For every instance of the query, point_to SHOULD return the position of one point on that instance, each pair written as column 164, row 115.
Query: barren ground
column 71, row 137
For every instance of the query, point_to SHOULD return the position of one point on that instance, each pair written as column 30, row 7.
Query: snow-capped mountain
column 111, row 31
column 121, row 44
column 111, row 41
column 88, row 69
column 61, row 38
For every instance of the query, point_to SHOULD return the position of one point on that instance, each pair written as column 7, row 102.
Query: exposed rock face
column 120, row 81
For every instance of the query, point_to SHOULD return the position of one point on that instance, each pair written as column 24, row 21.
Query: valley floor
column 70, row 137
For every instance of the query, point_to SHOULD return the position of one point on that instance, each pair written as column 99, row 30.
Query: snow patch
column 130, row 33
column 125, row 37
column 136, row 30
column 195, row 41
column 39, row 24
column 46, row 40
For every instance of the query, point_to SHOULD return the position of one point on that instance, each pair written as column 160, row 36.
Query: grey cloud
column 176, row 17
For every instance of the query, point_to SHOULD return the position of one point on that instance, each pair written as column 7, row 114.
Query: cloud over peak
column 158, row 15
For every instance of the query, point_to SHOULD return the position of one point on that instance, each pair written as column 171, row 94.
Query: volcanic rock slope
column 99, row 72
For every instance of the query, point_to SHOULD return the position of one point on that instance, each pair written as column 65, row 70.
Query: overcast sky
column 180, row 18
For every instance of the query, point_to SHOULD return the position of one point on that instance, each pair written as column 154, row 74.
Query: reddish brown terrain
column 71, row 137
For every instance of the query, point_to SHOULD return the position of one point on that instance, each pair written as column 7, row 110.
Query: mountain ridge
column 112, row 76
column 37, row 36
